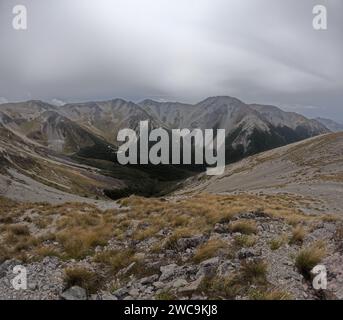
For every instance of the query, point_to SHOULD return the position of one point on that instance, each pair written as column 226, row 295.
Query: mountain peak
column 221, row 99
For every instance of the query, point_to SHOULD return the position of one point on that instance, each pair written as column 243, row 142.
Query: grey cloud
column 263, row 51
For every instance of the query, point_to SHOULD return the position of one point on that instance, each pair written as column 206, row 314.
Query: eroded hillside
column 312, row 168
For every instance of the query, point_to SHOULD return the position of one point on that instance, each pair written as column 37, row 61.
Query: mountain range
column 62, row 146
column 330, row 124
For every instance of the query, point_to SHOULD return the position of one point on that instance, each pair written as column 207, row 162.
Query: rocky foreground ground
column 206, row 246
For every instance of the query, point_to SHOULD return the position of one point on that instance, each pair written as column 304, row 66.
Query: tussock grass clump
column 309, row 257
column 294, row 219
column 330, row 218
column 46, row 251
column 18, row 229
column 254, row 272
column 298, row 235
column 276, row 243
column 80, row 220
column 80, row 233
column 244, row 227
column 141, row 235
column 208, row 250
column 245, row 241
column 18, row 241
column 43, row 222
column 83, row 278
column 116, row 259
column 171, row 241
column 250, row 273
column 78, row 243
column 221, row 287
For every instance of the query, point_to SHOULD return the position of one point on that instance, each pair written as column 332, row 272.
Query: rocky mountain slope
column 106, row 118
column 203, row 246
column 249, row 128
column 30, row 172
column 312, row 168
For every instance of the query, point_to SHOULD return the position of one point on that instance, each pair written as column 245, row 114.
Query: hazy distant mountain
column 330, row 124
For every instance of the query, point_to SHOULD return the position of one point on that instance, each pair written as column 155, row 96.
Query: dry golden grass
column 83, row 278
column 276, row 243
column 269, row 295
column 79, row 228
column 295, row 219
column 171, row 241
column 331, row 218
column 245, row 241
column 209, row 249
column 116, row 259
column 254, row 272
column 244, row 227
column 18, row 230
column 221, row 287
column 78, row 243
column 199, row 213
column 46, row 251
column 298, row 235
column 145, row 233
column 309, row 257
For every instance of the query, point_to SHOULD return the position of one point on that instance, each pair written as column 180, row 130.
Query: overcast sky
column 263, row 51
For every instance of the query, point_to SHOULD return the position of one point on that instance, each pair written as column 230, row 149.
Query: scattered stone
column 74, row 293
column 134, row 293
column 191, row 242
column 194, row 286
column 148, row 280
column 168, row 271
column 120, row 293
column 245, row 253
column 208, row 267
column 32, row 286
column 180, row 283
